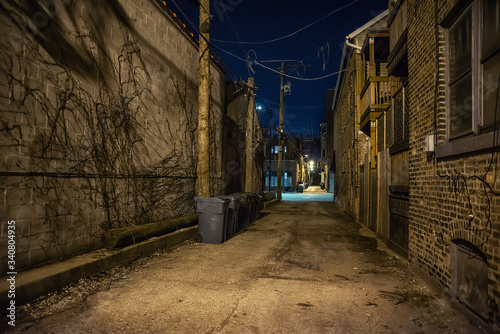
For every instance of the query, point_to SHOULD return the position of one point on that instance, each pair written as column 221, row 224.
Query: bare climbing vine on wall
column 99, row 139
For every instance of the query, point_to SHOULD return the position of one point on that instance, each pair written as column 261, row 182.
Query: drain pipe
column 351, row 44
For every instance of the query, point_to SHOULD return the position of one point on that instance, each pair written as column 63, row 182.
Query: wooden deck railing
column 376, row 93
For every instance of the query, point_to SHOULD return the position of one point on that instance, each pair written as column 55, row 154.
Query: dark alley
column 302, row 268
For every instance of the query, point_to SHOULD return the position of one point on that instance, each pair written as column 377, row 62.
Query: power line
column 278, row 72
column 299, row 78
column 289, row 35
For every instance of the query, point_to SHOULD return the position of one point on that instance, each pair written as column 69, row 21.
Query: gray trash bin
column 212, row 219
column 232, row 216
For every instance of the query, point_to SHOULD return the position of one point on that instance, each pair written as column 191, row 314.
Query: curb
column 37, row 282
column 270, row 203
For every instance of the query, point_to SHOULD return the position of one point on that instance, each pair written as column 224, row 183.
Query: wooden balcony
column 375, row 98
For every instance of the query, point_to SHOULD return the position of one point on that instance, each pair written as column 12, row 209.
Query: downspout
column 351, row 44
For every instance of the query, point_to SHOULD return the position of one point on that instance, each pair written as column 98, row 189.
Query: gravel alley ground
column 303, row 267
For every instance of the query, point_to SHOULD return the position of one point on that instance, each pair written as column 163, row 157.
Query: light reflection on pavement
column 311, row 194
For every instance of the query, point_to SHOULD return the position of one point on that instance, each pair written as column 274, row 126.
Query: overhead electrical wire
column 291, row 34
column 258, row 62
column 221, row 61
column 276, row 71
column 295, row 107
column 299, row 78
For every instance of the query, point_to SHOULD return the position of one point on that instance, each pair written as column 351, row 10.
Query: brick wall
column 350, row 151
column 98, row 123
column 443, row 191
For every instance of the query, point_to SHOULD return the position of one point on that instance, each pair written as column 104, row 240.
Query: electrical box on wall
column 429, row 144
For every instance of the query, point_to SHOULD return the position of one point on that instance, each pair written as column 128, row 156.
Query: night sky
column 315, row 51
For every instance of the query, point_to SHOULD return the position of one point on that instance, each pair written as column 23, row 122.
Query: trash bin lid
column 230, row 197
column 211, row 199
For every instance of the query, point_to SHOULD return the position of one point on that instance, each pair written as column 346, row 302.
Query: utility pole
column 270, row 144
column 204, row 101
column 301, row 161
column 249, row 137
column 280, row 149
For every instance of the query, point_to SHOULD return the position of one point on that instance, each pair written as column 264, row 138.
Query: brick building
column 432, row 147
column 330, row 154
column 233, row 151
column 454, row 68
column 357, row 99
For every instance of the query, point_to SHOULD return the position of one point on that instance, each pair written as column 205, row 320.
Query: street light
column 311, row 168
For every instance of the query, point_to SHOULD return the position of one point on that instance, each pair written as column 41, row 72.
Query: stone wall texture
column 98, row 122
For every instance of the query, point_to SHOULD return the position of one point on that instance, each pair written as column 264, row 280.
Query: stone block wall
column 98, row 122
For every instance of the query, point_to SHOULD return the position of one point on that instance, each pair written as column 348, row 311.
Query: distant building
column 323, row 159
column 291, row 165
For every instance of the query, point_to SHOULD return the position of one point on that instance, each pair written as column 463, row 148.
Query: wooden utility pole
column 204, row 101
column 269, row 169
column 281, row 130
column 249, row 137
column 301, row 161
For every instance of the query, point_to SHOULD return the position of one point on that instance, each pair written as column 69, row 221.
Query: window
column 490, row 60
column 473, row 70
column 460, row 75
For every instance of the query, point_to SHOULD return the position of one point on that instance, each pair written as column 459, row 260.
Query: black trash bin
column 245, row 211
column 252, row 203
column 232, row 216
column 260, row 205
column 255, row 208
column 212, row 219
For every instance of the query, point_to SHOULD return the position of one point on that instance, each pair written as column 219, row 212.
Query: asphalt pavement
column 303, row 267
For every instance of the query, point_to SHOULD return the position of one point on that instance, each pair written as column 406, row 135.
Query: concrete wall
column 98, row 123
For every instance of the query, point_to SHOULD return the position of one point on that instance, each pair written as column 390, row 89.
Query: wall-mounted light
column 429, row 145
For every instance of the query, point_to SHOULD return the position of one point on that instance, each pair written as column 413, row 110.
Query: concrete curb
column 270, row 203
column 37, row 282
